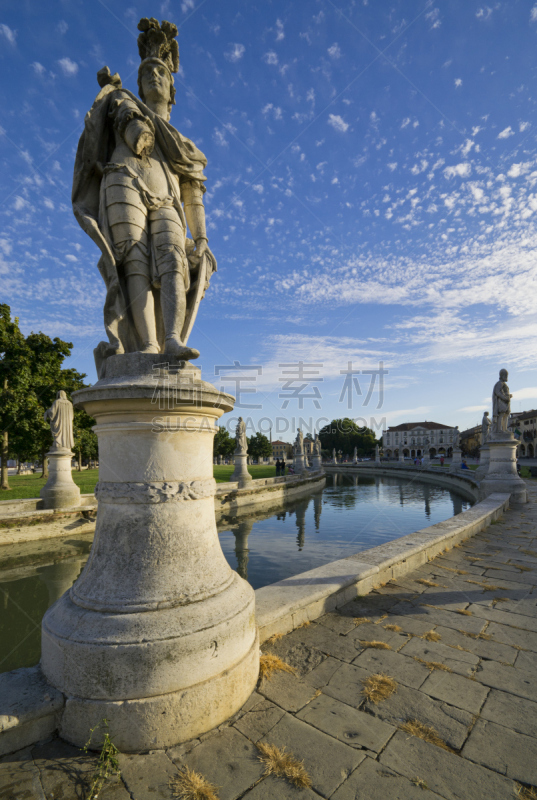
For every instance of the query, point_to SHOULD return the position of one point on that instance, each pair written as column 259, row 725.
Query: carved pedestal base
column 60, row 491
column 456, row 460
column 316, row 462
column 240, row 473
column 483, row 467
column 298, row 464
column 502, row 475
column 158, row 633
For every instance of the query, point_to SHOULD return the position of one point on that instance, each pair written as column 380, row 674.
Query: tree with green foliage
column 345, row 435
column 259, row 446
column 223, row 445
column 31, row 374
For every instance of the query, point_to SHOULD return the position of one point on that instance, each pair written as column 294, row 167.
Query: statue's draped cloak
column 60, row 416
column 180, row 158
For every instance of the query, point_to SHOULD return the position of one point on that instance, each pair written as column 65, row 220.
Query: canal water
column 350, row 514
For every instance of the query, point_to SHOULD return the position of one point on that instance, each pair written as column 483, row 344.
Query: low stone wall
column 462, row 481
column 283, row 606
column 17, row 512
column 264, row 493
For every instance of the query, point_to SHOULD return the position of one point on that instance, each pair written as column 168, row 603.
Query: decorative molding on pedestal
column 172, row 492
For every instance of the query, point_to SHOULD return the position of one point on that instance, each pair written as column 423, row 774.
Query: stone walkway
column 473, row 680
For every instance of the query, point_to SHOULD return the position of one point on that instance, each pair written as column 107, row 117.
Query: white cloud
column 528, row 393
column 8, row 33
column 270, row 57
column 463, row 170
column 38, row 68
column 405, row 122
column 62, row 27
column 48, row 203
column 68, row 67
column 236, row 52
column 533, row 14
column 334, row 51
column 280, row 34
column 506, row 133
column 458, row 82
column 19, row 203
column 483, row 13
column 220, row 138
column 258, row 187
column 472, row 409
column 338, row 123
column 187, row 5
column 524, row 126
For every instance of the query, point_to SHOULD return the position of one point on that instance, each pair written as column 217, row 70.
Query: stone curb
column 283, row 606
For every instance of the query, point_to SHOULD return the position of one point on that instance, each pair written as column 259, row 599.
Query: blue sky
column 371, row 193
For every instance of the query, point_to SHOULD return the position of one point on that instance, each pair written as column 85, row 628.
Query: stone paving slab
column 503, row 751
column 484, row 709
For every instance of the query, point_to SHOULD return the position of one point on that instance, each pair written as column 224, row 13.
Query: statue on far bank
column 485, row 428
column 456, row 437
column 137, row 184
column 298, row 448
column 501, row 403
column 241, row 443
column 60, row 416
column 317, row 446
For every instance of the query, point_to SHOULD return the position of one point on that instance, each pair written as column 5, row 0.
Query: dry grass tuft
column 269, row 664
column 523, row 569
column 375, row 643
column 432, row 665
column 361, row 620
column 526, row 792
column 463, row 611
column 529, row 552
column 425, row 582
column 394, row 628
column 489, row 587
column 378, row 687
column 496, row 600
column 381, row 619
column 285, row 765
column 424, row 732
column 191, row 785
column 274, row 638
column 419, row 782
column 431, row 636
column 304, row 625
column 457, row 571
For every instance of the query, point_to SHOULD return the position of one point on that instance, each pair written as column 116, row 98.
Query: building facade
column 279, row 449
column 471, row 440
column 526, row 423
column 416, row 439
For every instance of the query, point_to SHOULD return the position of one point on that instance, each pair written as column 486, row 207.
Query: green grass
column 27, row 486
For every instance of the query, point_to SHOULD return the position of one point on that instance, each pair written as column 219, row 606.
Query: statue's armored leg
column 128, row 223
column 168, row 240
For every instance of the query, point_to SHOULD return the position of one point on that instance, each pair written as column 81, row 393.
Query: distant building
column 526, row 423
column 418, row 439
column 279, row 449
column 471, row 440
column 308, row 445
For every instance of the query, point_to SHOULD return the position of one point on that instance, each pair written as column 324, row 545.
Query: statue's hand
column 201, row 248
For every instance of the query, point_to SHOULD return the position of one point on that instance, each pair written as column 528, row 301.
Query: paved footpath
column 473, row 680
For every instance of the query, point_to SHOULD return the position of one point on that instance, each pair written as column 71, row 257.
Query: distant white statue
column 317, row 446
column 501, row 403
column 298, row 448
column 334, row 456
column 241, row 445
column 485, row 428
column 60, row 415
column 377, row 453
column 456, row 437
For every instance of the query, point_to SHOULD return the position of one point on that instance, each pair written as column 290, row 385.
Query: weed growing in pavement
column 376, row 644
column 191, row 785
column 269, row 664
column 378, row 687
column 107, row 763
column 431, row 636
column 285, row 765
column 425, row 732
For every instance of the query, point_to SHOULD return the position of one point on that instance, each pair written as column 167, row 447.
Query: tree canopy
column 345, row 435
column 259, row 446
column 223, row 444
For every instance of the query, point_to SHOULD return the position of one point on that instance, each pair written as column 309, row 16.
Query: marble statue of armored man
column 501, row 403
column 137, row 184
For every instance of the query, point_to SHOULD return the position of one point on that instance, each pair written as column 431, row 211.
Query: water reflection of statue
column 241, row 535
column 501, row 403
column 300, row 521
column 317, row 509
column 241, row 444
column 485, row 428
column 60, row 415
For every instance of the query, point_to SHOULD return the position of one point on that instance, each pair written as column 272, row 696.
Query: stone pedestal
column 298, row 463
column 502, row 475
column 483, row 468
column 60, row 491
column 401, row 458
column 240, row 473
column 316, row 462
column 158, row 634
column 456, row 460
